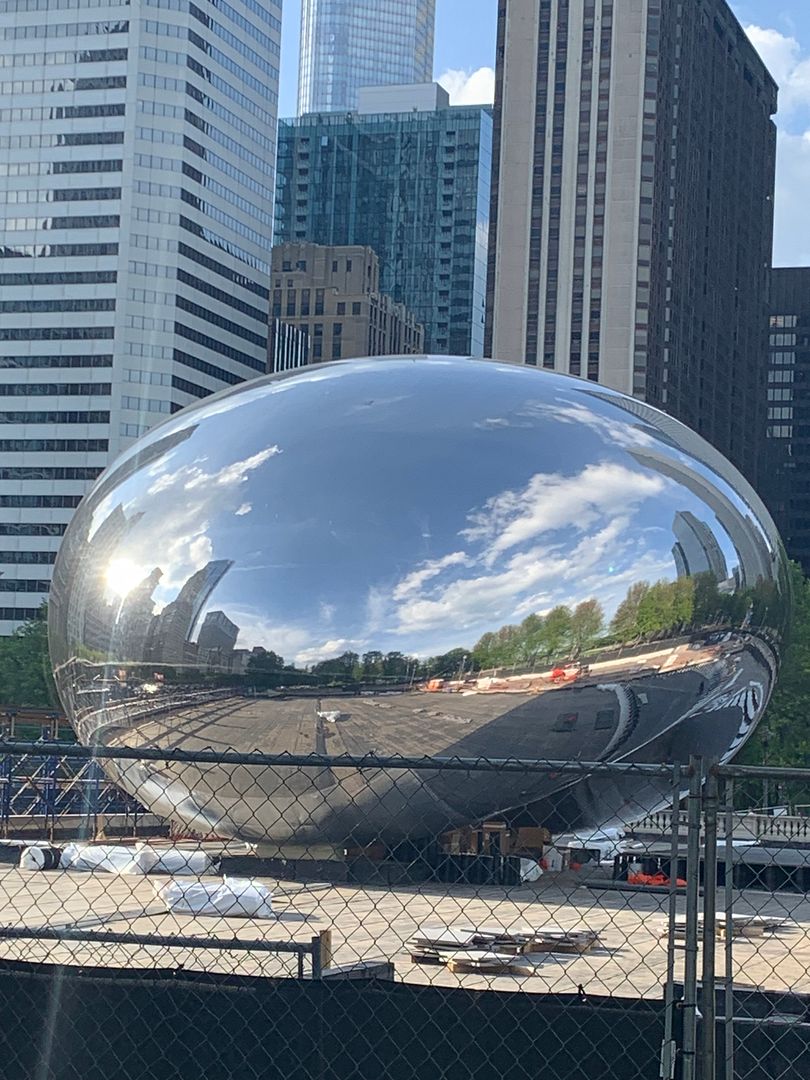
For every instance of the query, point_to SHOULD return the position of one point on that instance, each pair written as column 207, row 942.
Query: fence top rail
column 760, row 772
column 14, row 748
column 169, row 941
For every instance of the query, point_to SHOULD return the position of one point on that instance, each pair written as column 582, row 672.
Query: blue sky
column 780, row 29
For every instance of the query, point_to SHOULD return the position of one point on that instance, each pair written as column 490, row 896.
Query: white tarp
column 119, row 859
column 232, row 897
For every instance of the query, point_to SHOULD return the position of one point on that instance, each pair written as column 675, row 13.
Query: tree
column 556, row 633
column 25, row 667
column 787, row 718
column 625, row 621
column 265, row 660
column 587, row 620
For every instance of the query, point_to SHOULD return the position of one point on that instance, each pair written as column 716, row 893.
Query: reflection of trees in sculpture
column 649, row 610
column 562, row 632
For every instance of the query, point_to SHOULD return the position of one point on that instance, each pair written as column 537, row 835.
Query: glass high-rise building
column 413, row 186
column 347, row 44
column 137, row 158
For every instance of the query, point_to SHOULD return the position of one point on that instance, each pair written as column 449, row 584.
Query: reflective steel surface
column 416, row 557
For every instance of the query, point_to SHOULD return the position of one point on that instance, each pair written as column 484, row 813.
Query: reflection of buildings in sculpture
column 217, row 638
column 696, row 550
column 90, row 605
column 755, row 553
column 134, row 620
column 172, row 629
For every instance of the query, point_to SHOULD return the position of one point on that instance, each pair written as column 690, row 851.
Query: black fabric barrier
column 69, row 1024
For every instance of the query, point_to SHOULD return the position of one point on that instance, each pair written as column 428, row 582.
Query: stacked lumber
column 495, row 950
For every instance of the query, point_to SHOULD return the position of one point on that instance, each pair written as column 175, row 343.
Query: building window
column 341, row 308
column 319, row 293
column 356, row 308
column 305, row 301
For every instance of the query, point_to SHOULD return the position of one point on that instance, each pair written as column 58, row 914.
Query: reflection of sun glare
column 122, row 576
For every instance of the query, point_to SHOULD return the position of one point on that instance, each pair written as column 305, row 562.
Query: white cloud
column 551, row 501
column 416, row 579
column 783, row 58
column 791, row 69
column 469, row 87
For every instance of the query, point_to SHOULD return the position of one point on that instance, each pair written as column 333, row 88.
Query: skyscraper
column 412, row 183
column 137, row 155
column 632, row 205
column 787, row 492
column 346, row 44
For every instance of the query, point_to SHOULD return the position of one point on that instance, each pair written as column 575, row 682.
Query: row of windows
column 24, row 585
column 56, row 5
column 98, row 361
column 147, row 378
column 218, row 346
column 61, row 277
column 80, row 56
column 23, row 614
column 141, row 348
column 40, row 502
column 190, row 388
column 223, row 271
column 83, row 221
column 784, row 320
column 59, row 416
column 50, row 472
column 81, row 304
column 19, row 558
column 152, row 270
column 53, row 446
column 207, row 369
column 57, row 30
column 76, row 138
column 59, row 168
column 62, row 85
column 59, row 333
column 220, row 321
column 144, row 322
column 226, row 245
column 223, row 297
column 55, row 389
column 132, row 431
column 145, row 404
column 37, row 195
column 62, row 112
column 56, row 251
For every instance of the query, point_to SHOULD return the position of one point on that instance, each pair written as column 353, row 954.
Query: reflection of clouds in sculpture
column 554, row 501
column 443, row 595
column 184, row 499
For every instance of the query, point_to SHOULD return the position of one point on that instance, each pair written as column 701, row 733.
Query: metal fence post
column 708, row 997
column 667, row 1070
column 688, row 1050
column 728, row 993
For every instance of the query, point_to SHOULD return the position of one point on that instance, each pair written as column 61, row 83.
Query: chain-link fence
column 363, row 929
